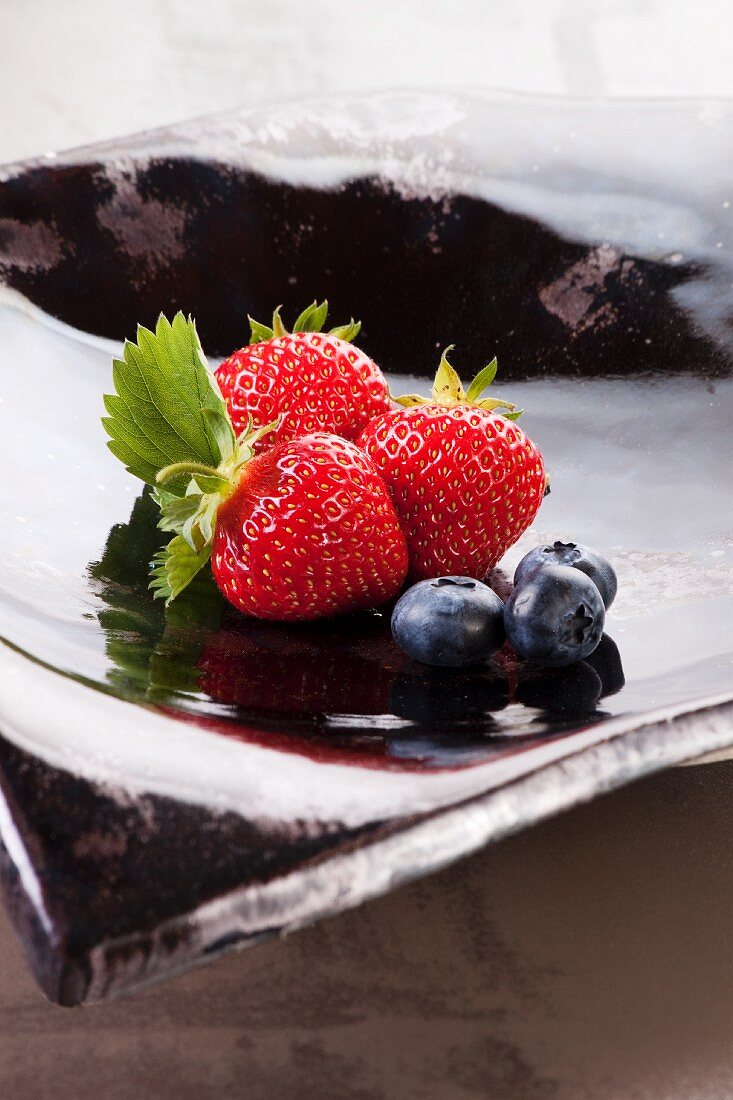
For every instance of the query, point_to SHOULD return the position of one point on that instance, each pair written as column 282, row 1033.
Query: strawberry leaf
column 260, row 333
column 312, row 319
column 175, row 566
column 278, row 328
column 483, row 379
column 318, row 320
column 347, row 332
column 167, row 407
column 175, row 511
column 447, row 388
column 220, row 430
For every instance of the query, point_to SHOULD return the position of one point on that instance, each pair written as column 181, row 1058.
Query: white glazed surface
column 43, row 583
column 424, row 144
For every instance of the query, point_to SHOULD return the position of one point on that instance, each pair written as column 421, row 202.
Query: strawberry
column 311, row 380
column 309, row 530
column 303, row 530
column 466, row 481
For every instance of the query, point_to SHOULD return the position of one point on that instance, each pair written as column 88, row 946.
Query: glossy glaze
column 278, row 773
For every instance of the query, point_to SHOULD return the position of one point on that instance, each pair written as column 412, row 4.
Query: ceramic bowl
column 177, row 783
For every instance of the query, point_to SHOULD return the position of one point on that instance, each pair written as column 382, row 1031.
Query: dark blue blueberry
column 449, row 621
column 555, row 616
column 588, row 561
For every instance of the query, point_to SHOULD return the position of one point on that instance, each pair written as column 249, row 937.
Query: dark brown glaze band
column 223, row 242
column 113, row 869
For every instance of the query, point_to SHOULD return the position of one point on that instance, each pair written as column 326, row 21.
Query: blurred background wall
column 74, row 71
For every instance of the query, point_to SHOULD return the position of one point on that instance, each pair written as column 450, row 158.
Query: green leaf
column 220, row 429
column 260, row 333
column 193, row 517
column 128, row 431
column 407, row 400
column 318, row 320
column 309, row 318
column 492, row 404
column 167, row 407
column 483, row 379
column 250, row 436
column 447, row 388
column 278, row 328
column 133, row 461
column 210, row 483
column 162, row 497
column 312, row 319
column 347, row 332
column 175, row 511
column 175, row 566
column 198, row 530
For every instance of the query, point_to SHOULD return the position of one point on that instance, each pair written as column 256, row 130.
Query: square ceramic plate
column 177, row 783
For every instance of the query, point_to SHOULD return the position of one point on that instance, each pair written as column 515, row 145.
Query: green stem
column 189, row 468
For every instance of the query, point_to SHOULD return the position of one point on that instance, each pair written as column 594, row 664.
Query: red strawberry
column 304, row 530
column 309, row 530
column 466, row 481
column 312, row 380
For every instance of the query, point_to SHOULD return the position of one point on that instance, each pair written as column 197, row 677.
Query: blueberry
column 449, row 621
column 588, row 561
column 555, row 616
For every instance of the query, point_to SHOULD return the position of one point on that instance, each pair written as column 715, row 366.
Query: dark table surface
column 586, row 957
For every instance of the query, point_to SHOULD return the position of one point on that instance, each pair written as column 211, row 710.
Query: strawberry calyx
column 168, row 423
column 312, row 319
column 448, row 390
column 192, row 517
column 221, row 479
